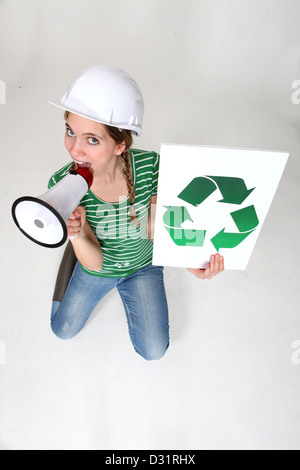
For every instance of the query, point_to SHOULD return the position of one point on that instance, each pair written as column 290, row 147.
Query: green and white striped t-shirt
column 125, row 245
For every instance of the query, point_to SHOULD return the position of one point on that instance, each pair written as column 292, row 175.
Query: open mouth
column 82, row 164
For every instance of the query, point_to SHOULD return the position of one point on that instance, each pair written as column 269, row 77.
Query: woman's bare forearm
column 86, row 246
column 88, row 253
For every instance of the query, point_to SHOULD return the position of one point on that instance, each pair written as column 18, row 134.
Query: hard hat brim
column 134, row 129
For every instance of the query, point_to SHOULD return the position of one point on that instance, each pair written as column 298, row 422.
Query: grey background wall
column 213, row 72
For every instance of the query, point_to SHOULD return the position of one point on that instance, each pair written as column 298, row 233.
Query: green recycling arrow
column 234, row 190
column 173, row 219
column 246, row 221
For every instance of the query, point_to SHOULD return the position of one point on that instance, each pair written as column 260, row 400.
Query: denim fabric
column 144, row 299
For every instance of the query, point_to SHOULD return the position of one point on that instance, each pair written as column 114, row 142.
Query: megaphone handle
column 65, row 272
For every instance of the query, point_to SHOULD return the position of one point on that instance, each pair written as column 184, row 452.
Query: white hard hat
column 108, row 95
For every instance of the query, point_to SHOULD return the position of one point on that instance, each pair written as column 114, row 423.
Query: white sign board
column 212, row 200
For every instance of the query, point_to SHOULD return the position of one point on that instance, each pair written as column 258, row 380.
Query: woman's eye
column 70, row 133
column 93, row 140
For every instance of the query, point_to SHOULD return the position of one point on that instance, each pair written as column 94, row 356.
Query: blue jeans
column 144, row 299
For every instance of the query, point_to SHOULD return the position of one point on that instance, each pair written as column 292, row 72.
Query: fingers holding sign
column 214, row 267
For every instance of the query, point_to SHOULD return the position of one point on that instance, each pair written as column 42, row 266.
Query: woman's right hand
column 76, row 223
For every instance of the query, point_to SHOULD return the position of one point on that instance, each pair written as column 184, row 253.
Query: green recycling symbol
column 233, row 190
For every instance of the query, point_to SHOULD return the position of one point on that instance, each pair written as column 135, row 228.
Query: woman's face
column 89, row 142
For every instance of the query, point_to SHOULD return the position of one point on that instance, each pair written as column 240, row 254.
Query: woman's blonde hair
column 120, row 136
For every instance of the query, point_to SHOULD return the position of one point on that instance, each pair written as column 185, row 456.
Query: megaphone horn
column 43, row 219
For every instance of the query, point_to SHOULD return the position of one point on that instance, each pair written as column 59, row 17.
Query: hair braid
column 127, row 173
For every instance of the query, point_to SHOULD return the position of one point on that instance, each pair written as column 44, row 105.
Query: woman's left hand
column 214, row 267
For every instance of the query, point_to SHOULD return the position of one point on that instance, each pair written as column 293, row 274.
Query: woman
column 111, row 230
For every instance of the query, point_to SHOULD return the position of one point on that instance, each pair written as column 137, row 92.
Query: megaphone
column 43, row 219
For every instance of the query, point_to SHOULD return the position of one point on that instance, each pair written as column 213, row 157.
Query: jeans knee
column 64, row 332
column 154, row 353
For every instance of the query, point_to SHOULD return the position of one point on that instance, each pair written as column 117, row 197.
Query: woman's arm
column 151, row 217
column 86, row 246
